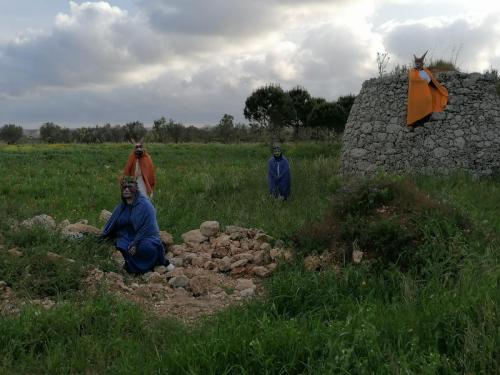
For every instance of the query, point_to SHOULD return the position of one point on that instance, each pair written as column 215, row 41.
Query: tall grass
column 441, row 317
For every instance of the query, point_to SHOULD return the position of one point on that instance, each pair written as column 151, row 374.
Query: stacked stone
column 466, row 136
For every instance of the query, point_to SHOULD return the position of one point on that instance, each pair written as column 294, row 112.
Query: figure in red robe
column 140, row 165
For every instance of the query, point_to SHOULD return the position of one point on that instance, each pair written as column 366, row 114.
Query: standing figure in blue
column 278, row 174
column 135, row 231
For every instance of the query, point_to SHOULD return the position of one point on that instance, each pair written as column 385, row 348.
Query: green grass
column 441, row 317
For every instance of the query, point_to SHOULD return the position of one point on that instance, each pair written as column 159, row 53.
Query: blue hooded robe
column 278, row 177
column 135, row 225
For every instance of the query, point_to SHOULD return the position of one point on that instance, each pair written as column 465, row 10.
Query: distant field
column 195, row 183
column 438, row 315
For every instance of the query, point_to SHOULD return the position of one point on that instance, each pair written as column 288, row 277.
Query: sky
column 86, row 63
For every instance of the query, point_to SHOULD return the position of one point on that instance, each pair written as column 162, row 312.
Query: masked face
column 419, row 61
column 128, row 190
column 138, row 150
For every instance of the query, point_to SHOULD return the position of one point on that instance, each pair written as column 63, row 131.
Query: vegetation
column 438, row 312
column 11, row 133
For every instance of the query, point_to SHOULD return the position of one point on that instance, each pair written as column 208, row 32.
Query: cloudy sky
column 81, row 63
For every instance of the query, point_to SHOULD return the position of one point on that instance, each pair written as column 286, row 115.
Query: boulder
column 247, row 293
column 199, row 285
column 166, row 238
column 179, row 282
column 15, row 252
column 81, row 228
column 210, row 228
column 261, row 271
column 242, row 284
column 44, row 221
column 312, row 263
column 357, row 256
column 193, row 237
column 239, row 263
column 104, row 216
column 224, row 264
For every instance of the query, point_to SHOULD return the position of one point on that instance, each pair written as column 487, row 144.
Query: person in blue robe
column 278, row 174
column 135, row 231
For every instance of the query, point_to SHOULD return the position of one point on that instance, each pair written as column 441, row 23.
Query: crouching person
column 135, row 231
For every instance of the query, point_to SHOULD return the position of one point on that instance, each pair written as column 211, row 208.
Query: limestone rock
column 239, row 263
column 357, row 256
column 193, row 237
column 247, row 293
column 242, row 284
column 104, row 216
column 179, row 282
column 210, row 228
column 312, row 263
column 261, row 271
column 199, row 285
column 166, row 238
column 44, row 221
column 15, row 252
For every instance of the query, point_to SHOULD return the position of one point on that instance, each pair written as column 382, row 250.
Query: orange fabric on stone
column 147, row 170
column 424, row 98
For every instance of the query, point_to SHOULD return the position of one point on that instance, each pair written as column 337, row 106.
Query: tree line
column 273, row 114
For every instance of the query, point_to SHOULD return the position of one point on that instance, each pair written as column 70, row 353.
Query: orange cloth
column 147, row 170
column 424, row 98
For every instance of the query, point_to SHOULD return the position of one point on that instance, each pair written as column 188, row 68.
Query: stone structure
column 466, row 136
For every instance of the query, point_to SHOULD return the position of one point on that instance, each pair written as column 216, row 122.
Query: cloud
column 96, row 44
column 473, row 44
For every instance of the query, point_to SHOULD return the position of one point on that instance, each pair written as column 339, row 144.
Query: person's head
column 419, row 61
column 139, row 151
column 128, row 187
column 276, row 150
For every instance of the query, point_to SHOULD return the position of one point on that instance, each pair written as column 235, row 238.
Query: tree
column 329, row 115
column 11, row 133
column 225, row 129
column 303, row 105
column 382, row 62
column 346, row 102
column 160, row 130
column 50, row 132
column 134, row 131
column 271, row 108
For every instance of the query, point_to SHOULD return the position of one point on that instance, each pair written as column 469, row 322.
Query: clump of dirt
column 382, row 220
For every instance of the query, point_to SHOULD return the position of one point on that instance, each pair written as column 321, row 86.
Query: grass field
column 440, row 318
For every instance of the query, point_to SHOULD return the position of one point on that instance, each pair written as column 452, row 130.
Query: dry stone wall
column 466, row 136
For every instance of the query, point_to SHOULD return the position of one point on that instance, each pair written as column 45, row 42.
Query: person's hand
column 132, row 250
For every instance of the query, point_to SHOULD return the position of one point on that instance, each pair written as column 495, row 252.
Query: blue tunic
column 135, row 225
column 278, row 177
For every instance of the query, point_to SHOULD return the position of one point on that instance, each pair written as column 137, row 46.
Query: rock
column 161, row 270
column 15, row 252
column 357, row 255
column 199, row 285
column 198, row 262
column 210, row 228
column 179, row 282
column 44, row 221
column 239, row 263
column 178, row 249
column 287, row 255
column 262, row 237
column 261, row 271
column 177, row 261
column 166, row 238
column 242, row 284
column 82, row 228
column 194, row 236
column 265, row 247
column 181, row 292
column 271, row 267
column 224, row 264
column 312, row 263
column 175, row 273
column 247, row 293
column 240, row 256
column 276, row 254
column 154, row 277
column 3, row 284
column 236, row 236
column 63, row 224
column 210, row 265
column 221, row 252
column 104, row 216
column 234, row 229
